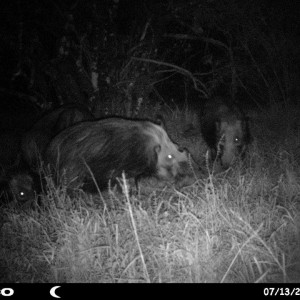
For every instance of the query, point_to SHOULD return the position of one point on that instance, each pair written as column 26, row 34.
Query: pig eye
column 237, row 140
column 22, row 195
column 170, row 156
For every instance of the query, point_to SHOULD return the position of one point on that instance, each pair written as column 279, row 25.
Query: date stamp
column 282, row 291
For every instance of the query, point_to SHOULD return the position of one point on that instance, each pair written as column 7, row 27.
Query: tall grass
column 238, row 226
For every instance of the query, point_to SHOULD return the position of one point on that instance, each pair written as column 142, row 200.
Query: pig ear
column 159, row 120
column 218, row 126
column 154, row 155
column 157, row 149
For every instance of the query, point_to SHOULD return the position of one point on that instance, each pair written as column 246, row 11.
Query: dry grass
column 239, row 226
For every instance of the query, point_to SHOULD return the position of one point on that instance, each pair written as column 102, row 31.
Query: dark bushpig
column 38, row 137
column 225, row 129
column 107, row 147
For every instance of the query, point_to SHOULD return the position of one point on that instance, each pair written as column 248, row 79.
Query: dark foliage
column 10, row 143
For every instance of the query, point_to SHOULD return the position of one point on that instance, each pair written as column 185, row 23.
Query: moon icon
column 52, row 291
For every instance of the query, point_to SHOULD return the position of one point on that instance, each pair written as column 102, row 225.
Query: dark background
column 167, row 52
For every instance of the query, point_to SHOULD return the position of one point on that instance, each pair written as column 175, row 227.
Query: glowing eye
column 236, row 140
column 22, row 195
column 170, row 156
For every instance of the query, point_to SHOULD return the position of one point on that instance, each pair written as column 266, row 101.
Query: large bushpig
column 107, row 147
